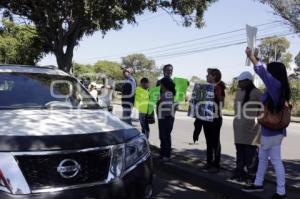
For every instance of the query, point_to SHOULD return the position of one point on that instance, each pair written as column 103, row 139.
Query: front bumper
column 135, row 185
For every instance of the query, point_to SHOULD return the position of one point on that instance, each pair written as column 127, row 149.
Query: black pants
column 165, row 126
column 198, row 127
column 144, row 124
column 212, row 135
column 246, row 157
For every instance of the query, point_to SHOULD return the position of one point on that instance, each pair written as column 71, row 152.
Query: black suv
column 56, row 142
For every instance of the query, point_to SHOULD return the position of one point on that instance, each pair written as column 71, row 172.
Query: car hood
column 61, row 129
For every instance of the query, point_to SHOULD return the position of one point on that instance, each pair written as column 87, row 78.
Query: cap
column 245, row 75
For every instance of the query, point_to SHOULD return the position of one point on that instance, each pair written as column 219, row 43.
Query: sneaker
column 253, row 188
column 236, row 179
column 277, row 196
column 249, row 181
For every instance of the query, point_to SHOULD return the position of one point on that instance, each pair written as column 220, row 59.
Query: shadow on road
column 197, row 157
column 166, row 187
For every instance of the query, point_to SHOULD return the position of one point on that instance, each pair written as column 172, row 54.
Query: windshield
column 43, row 91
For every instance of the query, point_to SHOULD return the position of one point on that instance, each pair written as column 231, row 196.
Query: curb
column 203, row 180
column 215, row 182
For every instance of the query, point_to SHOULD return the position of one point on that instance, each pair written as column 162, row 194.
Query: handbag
column 276, row 120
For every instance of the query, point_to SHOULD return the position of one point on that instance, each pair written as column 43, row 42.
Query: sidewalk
column 185, row 165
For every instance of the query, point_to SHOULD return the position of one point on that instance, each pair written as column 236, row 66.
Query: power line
column 186, row 41
column 179, row 54
column 209, row 42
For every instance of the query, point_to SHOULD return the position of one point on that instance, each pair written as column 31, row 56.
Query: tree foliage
column 80, row 70
column 296, row 72
column 98, row 70
column 288, row 10
column 61, row 24
column 275, row 49
column 143, row 66
column 297, row 60
column 109, row 68
column 19, row 44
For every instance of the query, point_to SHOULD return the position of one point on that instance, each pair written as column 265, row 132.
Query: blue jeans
column 127, row 115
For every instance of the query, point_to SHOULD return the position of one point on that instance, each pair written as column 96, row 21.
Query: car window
column 29, row 90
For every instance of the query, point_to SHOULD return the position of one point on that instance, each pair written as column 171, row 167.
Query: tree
column 143, row 66
column 289, row 10
column 274, row 49
column 61, row 24
column 80, row 70
column 297, row 60
column 109, row 68
column 296, row 72
column 286, row 59
column 195, row 79
column 139, row 62
column 19, row 44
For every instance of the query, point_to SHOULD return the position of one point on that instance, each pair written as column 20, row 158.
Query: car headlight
column 135, row 150
column 127, row 155
column 117, row 160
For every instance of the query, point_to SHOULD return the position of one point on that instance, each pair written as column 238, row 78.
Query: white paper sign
column 251, row 39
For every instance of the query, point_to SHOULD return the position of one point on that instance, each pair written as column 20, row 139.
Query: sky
column 155, row 30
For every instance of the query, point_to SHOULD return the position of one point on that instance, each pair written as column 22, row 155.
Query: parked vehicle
column 56, row 142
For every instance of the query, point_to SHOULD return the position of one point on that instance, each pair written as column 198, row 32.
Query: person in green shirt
column 142, row 104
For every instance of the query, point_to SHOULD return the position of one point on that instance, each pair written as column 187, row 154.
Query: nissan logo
column 68, row 168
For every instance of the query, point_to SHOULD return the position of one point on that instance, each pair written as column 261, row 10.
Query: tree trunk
column 64, row 58
column 64, row 61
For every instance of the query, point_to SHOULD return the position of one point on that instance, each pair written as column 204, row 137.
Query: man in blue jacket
column 128, row 91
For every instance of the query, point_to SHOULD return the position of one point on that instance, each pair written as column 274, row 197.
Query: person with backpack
column 246, row 129
column 274, row 100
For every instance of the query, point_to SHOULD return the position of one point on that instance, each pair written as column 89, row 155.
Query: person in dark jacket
column 165, row 115
column 167, row 71
column 128, row 91
column 212, row 129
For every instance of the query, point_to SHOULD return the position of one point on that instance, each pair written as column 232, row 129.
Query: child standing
column 142, row 104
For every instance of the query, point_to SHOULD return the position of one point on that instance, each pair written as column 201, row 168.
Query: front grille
column 41, row 172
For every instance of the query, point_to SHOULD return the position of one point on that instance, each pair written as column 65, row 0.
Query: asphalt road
column 183, row 133
column 167, row 187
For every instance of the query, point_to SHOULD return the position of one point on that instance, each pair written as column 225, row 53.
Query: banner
column 181, row 86
column 202, row 102
column 153, row 98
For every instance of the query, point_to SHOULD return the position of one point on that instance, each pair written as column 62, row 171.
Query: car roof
column 50, row 70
